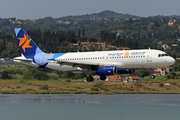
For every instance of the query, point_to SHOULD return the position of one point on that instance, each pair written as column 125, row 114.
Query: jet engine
column 105, row 70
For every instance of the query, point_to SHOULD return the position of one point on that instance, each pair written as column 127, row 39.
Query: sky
column 34, row 9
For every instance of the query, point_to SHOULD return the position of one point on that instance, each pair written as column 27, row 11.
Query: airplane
column 102, row 63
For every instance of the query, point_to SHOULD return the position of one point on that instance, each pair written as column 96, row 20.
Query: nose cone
column 171, row 61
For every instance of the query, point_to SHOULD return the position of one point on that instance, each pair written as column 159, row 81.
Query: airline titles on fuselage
column 125, row 54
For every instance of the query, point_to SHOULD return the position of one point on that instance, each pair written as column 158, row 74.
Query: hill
column 104, row 14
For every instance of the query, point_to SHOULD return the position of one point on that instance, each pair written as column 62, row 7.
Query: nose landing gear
column 152, row 76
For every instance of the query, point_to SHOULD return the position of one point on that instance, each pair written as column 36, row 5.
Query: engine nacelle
column 106, row 70
column 125, row 71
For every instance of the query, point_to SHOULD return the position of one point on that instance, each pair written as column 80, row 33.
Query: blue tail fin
column 27, row 46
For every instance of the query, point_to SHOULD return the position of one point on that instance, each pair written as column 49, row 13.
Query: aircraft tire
column 102, row 77
column 89, row 79
column 152, row 76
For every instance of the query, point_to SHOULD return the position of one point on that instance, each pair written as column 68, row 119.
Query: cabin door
column 149, row 59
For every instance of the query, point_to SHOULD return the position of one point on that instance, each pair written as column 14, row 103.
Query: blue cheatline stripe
column 56, row 55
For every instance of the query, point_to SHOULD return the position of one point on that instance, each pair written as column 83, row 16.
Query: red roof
column 156, row 72
column 85, row 43
column 123, row 48
column 135, row 77
column 73, row 44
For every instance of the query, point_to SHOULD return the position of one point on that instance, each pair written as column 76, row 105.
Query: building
column 4, row 61
column 134, row 78
column 161, row 71
column 171, row 22
column 108, row 78
column 96, row 77
column 174, row 46
column 123, row 48
column 125, row 79
column 87, row 44
column 115, row 78
column 160, row 43
column 103, row 45
column 73, row 44
column 165, row 47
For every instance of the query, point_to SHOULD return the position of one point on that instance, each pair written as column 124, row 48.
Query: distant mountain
column 105, row 14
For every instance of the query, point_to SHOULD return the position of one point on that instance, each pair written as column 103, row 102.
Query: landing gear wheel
column 152, row 76
column 102, row 77
column 89, row 79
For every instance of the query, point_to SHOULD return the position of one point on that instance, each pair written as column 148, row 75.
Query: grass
column 78, row 87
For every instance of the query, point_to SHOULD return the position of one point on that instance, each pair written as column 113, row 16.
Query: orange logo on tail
column 26, row 42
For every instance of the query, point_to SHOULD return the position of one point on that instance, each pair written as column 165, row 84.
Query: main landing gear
column 89, row 78
column 102, row 77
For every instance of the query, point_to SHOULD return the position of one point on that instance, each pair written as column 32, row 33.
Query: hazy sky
column 25, row 9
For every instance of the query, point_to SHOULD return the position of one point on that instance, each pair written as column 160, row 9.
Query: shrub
column 36, row 74
column 138, row 85
column 53, row 77
column 40, row 75
column 161, row 84
column 94, row 89
column 29, row 83
column 28, row 76
column 68, row 80
column 147, row 78
column 5, row 75
column 44, row 87
column 174, row 83
column 18, row 87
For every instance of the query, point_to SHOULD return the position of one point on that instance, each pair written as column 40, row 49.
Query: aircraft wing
column 81, row 65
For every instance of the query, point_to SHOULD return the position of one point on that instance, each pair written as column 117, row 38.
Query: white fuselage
column 124, row 59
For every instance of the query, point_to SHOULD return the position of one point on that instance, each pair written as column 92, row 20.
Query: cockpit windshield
column 162, row 55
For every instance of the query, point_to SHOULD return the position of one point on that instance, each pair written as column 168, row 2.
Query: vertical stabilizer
column 26, row 45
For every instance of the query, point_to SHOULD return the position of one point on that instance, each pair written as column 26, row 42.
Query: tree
column 174, row 56
column 83, row 32
column 150, row 26
column 79, row 34
column 4, row 42
column 5, row 75
column 142, row 72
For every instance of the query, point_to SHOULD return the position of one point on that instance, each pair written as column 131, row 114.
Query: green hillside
column 121, row 30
